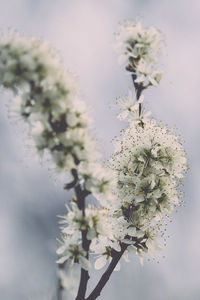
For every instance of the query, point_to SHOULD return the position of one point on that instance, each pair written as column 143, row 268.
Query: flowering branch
column 135, row 191
column 81, row 194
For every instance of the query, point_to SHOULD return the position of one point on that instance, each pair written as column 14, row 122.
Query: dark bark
column 106, row 276
column 84, row 273
column 72, row 184
column 81, row 195
column 138, row 87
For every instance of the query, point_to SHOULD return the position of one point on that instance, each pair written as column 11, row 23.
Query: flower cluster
column 150, row 162
column 95, row 221
column 48, row 99
column 139, row 48
column 99, row 180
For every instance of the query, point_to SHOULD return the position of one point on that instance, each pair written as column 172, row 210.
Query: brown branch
column 138, row 87
column 105, row 277
column 84, row 273
column 72, row 184
column 80, row 195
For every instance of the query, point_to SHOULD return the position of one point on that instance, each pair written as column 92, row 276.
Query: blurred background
column 31, row 198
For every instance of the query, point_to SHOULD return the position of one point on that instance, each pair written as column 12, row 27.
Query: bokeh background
column 83, row 32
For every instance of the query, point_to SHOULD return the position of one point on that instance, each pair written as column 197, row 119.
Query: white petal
column 148, row 113
column 117, row 246
column 140, row 79
column 125, row 256
column 141, row 99
column 60, row 250
column 91, row 234
column 85, row 263
column 62, row 259
column 117, row 268
column 126, row 241
column 153, row 81
column 100, row 262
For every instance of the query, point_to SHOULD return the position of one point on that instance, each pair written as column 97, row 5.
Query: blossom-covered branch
column 148, row 158
column 140, row 185
column 48, row 100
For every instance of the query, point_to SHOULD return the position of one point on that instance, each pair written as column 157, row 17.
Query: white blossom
column 150, row 162
column 49, row 100
column 99, row 180
column 139, row 48
column 72, row 250
column 100, row 226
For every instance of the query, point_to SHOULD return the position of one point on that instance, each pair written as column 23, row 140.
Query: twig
column 84, row 273
column 105, row 277
column 81, row 194
column 72, row 184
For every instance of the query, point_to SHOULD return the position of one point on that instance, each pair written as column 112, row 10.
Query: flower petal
column 62, row 259
column 84, row 262
column 100, row 262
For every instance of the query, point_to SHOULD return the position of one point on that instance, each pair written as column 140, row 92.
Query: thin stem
column 138, row 87
column 105, row 277
column 72, row 184
column 80, row 195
